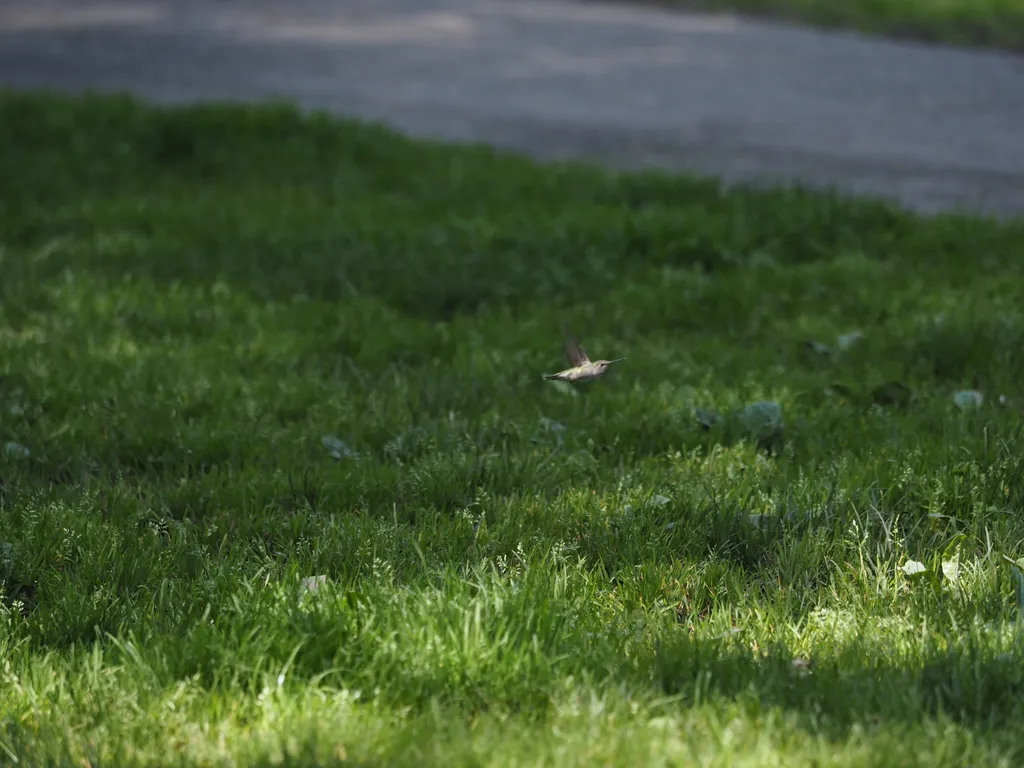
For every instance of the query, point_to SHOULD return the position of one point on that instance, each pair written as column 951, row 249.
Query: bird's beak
column 616, row 360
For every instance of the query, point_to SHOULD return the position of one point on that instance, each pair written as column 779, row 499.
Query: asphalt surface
column 626, row 85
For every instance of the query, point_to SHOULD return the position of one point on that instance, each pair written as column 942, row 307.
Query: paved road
column 627, row 85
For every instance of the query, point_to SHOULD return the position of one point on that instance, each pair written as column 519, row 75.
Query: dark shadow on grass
column 969, row 683
column 280, row 205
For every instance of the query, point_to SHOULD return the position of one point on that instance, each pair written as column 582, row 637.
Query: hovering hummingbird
column 582, row 368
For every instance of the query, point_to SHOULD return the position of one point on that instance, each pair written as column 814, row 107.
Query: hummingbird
column 582, row 368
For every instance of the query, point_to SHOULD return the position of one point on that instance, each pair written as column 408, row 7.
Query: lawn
column 240, row 348
column 990, row 23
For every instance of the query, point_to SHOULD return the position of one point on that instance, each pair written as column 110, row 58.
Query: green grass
column 989, row 23
column 191, row 300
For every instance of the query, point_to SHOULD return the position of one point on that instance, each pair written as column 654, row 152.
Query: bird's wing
column 573, row 350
